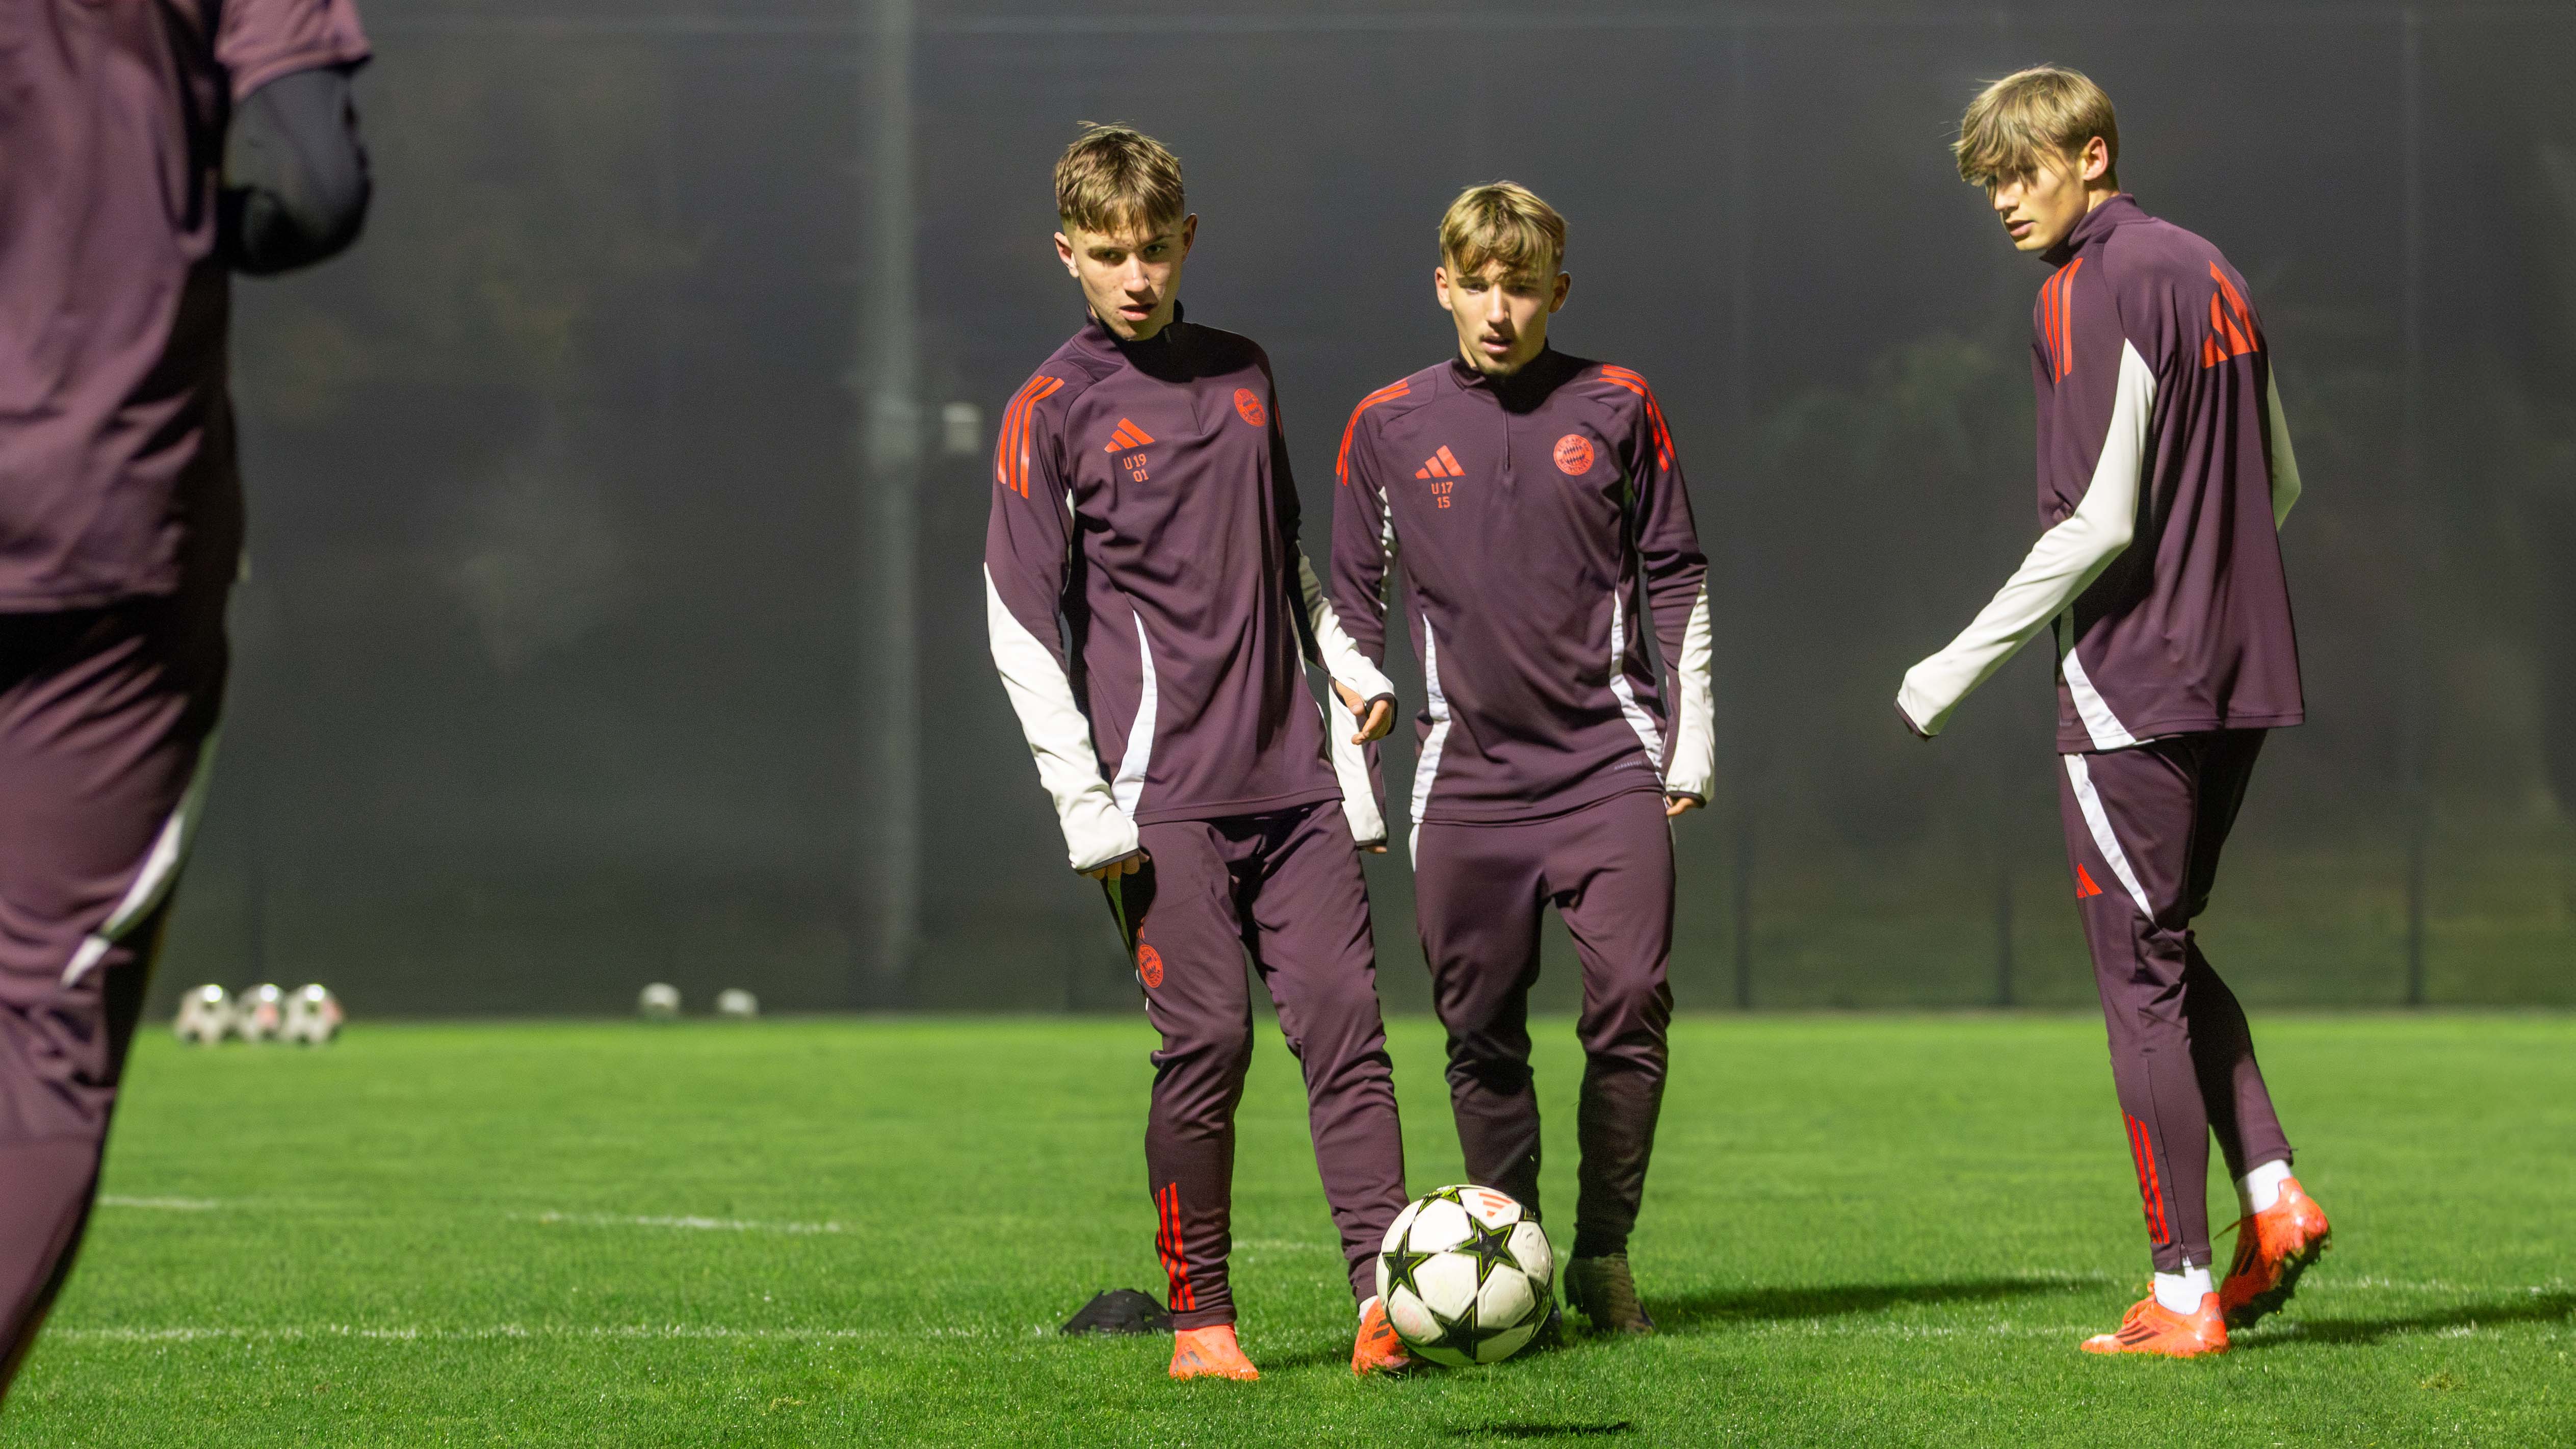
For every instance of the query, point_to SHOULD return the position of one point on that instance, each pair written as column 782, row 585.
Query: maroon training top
column 2165, row 471
column 116, row 447
column 1144, row 492
column 2189, row 628
column 1542, row 520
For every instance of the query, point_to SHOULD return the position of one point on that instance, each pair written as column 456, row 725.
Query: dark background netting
column 564, row 664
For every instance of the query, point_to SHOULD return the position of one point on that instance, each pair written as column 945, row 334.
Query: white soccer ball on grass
column 1467, row 1276
column 313, row 1016
column 659, row 1002
column 737, row 1003
column 205, row 1016
column 260, row 1014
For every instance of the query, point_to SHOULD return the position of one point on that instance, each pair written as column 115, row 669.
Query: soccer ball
column 205, row 1016
column 659, row 1002
column 738, row 1003
column 260, row 1014
column 1467, row 1276
column 313, row 1016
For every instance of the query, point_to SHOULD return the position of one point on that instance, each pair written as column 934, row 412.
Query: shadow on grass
column 2493, row 1312
column 1701, row 1311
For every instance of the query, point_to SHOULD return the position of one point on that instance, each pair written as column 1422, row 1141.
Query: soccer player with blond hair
column 1559, row 605
column 2165, row 472
column 1152, row 616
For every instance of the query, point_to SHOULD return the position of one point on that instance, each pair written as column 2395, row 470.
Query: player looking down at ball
column 1559, row 606
column 147, row 151
column 2165, row 472
column 1152, row 615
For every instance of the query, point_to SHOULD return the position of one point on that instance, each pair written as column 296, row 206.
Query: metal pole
column 2414, row 742
column 1740, row 555
column 2003, row 907
column 888, row 858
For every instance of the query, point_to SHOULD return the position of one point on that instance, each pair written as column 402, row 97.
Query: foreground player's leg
column 1610, row 868
column 1312, row 944
column 104, row 716
column 1476, row 900
column 1189, row 959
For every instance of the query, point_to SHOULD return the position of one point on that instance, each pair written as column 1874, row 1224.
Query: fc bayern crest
column 1149, row 965
column 1574, row 455
column 1250, row 406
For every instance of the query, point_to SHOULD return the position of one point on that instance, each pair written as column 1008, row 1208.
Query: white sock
column 2182, row 1292
column 1365, row 1307
column 2260, row 1189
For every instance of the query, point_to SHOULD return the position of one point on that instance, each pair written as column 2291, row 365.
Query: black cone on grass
column 1120, row 1310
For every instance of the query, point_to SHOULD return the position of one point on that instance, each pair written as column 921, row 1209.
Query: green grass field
column 1860, row 1230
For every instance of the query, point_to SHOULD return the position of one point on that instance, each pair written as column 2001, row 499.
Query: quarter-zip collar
column 1517, row 394
column 1150, row 355
column 2120, row 210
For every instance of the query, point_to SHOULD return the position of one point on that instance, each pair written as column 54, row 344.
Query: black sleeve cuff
column 295, row 186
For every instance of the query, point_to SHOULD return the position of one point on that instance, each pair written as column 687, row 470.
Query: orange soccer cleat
column 1201, row 1353
column 2151, row 1327
column 2273, row 1247
column 1378, row 1350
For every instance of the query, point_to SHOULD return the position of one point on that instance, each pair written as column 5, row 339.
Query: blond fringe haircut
column 2034, row 118
column 1502, row 221
column 1116, row 177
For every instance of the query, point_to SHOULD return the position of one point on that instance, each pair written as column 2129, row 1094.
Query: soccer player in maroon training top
column 121, row 212
column 1560, row 609
column 1144, row 500
column 2165, row 472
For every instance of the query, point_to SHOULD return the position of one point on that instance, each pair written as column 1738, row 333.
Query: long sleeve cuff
column 1342, row 659
column 1096, row 831
column 1693, row 770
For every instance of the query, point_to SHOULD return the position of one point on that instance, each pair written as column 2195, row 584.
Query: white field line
column 696, row 1224
column 172, row 1204
column 506, row 1331
column 503, row 1332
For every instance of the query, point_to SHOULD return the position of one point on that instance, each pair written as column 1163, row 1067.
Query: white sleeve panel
column 1351, row 669
column 1096, row 831
column 2060, row 566
column 1350, row 768
column 1342, row 658
column 2285, row 464
column 1694, row 767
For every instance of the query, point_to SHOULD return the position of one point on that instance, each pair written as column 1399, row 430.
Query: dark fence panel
column 556, row 659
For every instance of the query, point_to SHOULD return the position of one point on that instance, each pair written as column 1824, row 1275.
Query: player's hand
column 1127, row 864
column 1376, row 716
column 1674, row 805
column 1378, row 849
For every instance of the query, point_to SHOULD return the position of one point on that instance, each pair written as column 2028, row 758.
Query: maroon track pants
column 2144, row 828
column 1286, row 889
column 104, row 718
column 1478, row 894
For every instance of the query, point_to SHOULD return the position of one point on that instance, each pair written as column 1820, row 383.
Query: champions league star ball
column 205, row 1016
column 260, row 1013
column 313, row 1017
column 1466, row 1275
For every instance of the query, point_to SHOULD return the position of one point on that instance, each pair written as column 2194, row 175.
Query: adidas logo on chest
column 1129, row 440
column 1442, row 470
